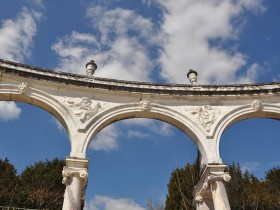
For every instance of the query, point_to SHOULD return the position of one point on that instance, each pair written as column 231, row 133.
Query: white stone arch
column 157, row 112
column 38, row 98
column 270, row 111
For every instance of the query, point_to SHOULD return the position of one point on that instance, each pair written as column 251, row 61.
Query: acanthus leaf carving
column 205, row 115
column 83, row 107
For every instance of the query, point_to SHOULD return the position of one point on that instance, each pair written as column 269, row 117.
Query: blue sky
column 230, row 41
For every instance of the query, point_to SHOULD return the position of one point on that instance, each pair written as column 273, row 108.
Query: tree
column 180, row 188
column 41, row 185
column 8, row 182
column 272, row 186
column 244, row 190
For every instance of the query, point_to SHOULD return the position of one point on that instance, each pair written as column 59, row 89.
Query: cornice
column 32, row 72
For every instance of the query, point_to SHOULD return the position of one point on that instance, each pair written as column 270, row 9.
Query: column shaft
column 73, row 193
column 220, row 198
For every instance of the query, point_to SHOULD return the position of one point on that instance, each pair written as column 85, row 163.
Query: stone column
column 210, row 192
column 75, row 178
column 219, row 194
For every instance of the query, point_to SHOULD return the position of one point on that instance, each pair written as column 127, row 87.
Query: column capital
column 69, row 172
column 211, row 173
column 75, row 167
column 216, row 176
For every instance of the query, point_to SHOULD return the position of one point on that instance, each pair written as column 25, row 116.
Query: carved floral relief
column 83, row 107
column 205, row 115
column 257, row 105
column 23, row 88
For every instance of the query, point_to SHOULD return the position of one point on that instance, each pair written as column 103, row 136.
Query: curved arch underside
column 86, row 105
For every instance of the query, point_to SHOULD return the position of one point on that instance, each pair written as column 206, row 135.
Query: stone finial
column 91, row 67
column 192, row 75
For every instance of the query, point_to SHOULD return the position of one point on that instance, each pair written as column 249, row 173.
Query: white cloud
column 192, row 35
column 120, row 50
column 137, row 134
column 106, row 140
column 147, row 2
column 39, row 3
column 9, row 110
column 189, row 25
column 251, row 74
column 16, row 36
column 250, row 166
column 153, row 126
column 109, row 203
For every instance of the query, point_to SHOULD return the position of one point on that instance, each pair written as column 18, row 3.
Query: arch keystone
column 257, row 105
column 146, row 105
column 23, row 88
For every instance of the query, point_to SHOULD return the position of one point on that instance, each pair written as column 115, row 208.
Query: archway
column 147, row 152
column 249, row 148
column 158, row 112
column 254, row 141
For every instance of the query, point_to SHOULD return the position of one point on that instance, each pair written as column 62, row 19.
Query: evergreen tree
column 8, row 182
column 272, row 186
column 41, row 185
column 245, row 191
column 180, row 188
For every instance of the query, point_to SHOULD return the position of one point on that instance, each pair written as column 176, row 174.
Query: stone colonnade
column 85, row 105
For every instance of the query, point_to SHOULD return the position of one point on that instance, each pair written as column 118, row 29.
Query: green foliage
column 272, row 184
column 180, row 188
column 245, row 191
column 38, row 187
column 8, row 182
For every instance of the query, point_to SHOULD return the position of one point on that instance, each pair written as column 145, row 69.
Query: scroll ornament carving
column 84, row 108
column 212, row 177
column 257, row 105
column 23, row 88
column 67, row 173
column 216, row 177
column 206, row 115
column 146, row 105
